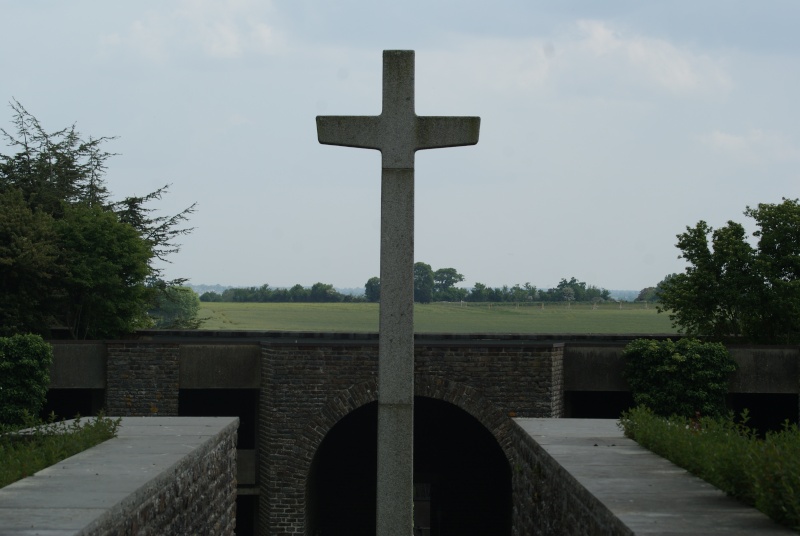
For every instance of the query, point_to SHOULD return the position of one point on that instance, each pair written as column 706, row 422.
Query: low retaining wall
column 582, row 476
column 549, row 501
column 160, row 475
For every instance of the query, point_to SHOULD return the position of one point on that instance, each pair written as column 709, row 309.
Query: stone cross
column 398, row 132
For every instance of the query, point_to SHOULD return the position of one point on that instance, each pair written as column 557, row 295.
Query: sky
column 607, row 127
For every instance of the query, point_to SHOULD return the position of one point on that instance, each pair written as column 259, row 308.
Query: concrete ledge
column 161, row 475
column 633, row 491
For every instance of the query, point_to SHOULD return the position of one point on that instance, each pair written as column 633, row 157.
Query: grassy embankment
column 438, row 318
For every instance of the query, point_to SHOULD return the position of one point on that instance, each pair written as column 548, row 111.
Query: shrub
column 24, row 376
column 685, row 378
column 762, row 473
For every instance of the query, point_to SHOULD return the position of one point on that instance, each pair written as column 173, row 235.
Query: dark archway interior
column 462, row 478
column 242, row 403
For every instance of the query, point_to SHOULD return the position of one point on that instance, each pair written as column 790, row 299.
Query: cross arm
column 435, row 132
column 350, row 131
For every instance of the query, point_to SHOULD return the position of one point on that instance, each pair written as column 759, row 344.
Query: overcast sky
column 606, row 127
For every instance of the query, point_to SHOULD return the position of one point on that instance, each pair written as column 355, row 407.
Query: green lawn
column 437, row 318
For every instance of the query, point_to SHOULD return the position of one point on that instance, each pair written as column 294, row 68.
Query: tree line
column 429, row 286
column 70, row 257
column 440, row 286
column 317, row 293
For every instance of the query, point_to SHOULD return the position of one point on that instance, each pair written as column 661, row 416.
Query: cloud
column 647, row 60
column 224, row 29
column 755, row 146
column 585, row 57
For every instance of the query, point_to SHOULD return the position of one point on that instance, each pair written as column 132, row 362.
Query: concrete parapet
column 582, row 476
column 160, row 475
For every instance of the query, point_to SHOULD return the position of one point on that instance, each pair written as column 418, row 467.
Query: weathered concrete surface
column 220, row 366
column 649, row 494
column 764, row 369
column 100, row 486
column 78, row 365
column 598, row 366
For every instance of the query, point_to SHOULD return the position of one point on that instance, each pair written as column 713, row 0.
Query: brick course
column 142, row 379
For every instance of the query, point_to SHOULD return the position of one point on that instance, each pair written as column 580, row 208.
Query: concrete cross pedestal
column 398, row 132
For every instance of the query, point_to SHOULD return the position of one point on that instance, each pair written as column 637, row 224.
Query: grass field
column 437, row 318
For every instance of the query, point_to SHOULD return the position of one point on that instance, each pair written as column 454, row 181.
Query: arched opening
column 462, row 478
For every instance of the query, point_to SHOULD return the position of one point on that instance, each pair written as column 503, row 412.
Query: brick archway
column 454, row 451
column 462, row 396
column 307, row 386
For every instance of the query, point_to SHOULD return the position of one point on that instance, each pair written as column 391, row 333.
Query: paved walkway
column 648, row 493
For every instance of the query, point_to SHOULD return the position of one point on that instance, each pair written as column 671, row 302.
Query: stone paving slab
column 64, row 498
column 645, row 491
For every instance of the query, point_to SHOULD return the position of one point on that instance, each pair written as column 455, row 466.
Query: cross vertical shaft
column 398, row 133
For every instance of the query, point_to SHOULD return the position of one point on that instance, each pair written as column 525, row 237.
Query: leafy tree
column 176, row 308
column 59, row 176
column 423, row 282
column 103, row 293
column 210, row 296
column 372, row 290
column 647, row 294
column 444, row 285
column 53, row 168
column 29, row 266
column 160, row 232
column 324, row 293
column 299, row 293
column 731, row 289
column 479, row 293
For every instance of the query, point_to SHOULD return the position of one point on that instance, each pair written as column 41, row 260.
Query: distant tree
column 518, row 294
column 423, row 282
column 595, row 294
column 731, row 289
column 372, row 290
column 568, row 294
column 479, row 293
column 444, row 285
column 648, row 294
column 210, row 296
column 322, row 292
column 299, row 293
column 176, row 308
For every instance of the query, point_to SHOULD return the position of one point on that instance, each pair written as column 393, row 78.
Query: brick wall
column 308, row 387
column 142, row 379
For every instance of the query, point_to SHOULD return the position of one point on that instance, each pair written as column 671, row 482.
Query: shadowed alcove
column 462, row 478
